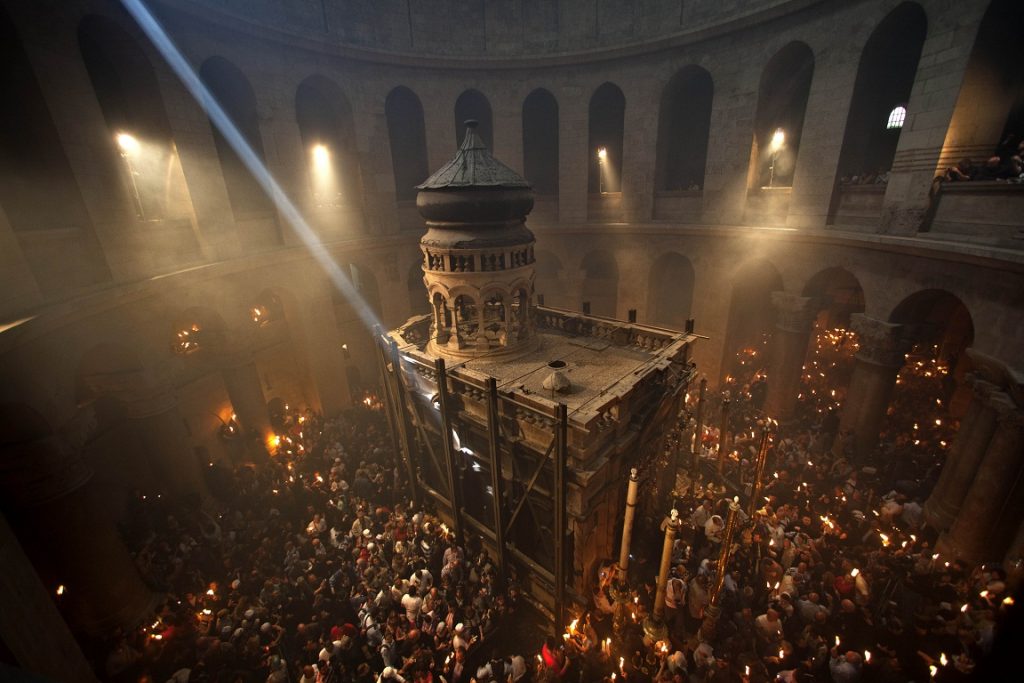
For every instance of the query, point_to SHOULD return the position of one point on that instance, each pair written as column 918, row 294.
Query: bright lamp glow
column 321, row 157
column 602, row 153
column 127, row 142
column 778, row 139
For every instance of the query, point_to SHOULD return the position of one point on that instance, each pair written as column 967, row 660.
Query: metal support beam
column 529, row 485
column 449, row 450
column 401, row 400
column 396, row 407
column 561, row 458
column 698, row 431
column 497, row 479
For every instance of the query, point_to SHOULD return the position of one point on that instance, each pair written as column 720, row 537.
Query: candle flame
column 867, row 655
column 942, row 659
column 61, row 589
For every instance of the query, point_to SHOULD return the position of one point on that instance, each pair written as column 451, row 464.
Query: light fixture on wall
column 129, row 146
column 188, row 339
column 778, row 140
column 602, row 157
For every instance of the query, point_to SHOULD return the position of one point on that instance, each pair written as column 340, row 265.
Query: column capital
column 793, row 312
column 881, row 343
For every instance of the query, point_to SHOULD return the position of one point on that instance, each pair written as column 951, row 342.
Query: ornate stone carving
column 792, row 312
column 881, row 343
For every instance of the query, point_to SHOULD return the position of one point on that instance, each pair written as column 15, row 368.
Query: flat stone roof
column 595, row 367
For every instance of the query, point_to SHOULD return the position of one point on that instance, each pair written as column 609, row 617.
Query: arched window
column 129, row 97
column 885, row 76
column 607, row 122
column 601, row 282
column 684, row 123
column 231, row 88
column 540, row 141
column 781, row 106
column 896, row 117
column 327, row 130
column 408, row 139
column 473, row 105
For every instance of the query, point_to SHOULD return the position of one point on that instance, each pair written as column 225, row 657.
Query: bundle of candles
column 827, row 370
column 920, row 401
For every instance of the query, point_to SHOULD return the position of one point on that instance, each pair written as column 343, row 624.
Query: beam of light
column 190, row 79
column 778, row 140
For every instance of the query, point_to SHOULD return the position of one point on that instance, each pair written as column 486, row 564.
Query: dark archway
column 781, row 107
column 547, row 270
column 38, row 189
column 838, row 295
column 601, row 282
column 327, row 129
column 408, row 139
column 885, row 77
column 606, row 130
column 419, row 301
column 670, row 290
column 540, row 141
column 473, row 105
column 684, row 124
column 937, row 320
column 751, row 312
column 235, row 95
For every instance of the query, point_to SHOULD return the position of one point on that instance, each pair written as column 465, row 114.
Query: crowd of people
column 834, row 578
column 314, row 568
column 1005, row 165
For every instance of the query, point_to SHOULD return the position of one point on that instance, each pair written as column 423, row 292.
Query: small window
column 896, row 117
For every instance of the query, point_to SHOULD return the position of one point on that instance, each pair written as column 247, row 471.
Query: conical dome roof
column 473, row 166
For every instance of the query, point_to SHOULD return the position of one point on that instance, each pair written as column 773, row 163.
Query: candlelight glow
column 128, row 144
column 61, row 589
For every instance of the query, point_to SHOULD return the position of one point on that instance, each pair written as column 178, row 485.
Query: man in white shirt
column 412, row 603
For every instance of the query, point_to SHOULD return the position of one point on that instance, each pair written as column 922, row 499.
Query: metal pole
column 390, row 403
column 449, row 450
column 561, row 453
column 723, row 435
column 698, row 447
column 762, row 458
column 497, row 480
column 403, row 427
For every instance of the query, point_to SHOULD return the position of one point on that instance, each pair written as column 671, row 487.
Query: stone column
column 245, row 391
column 964, row 456
column 161, row 432
column 794, row 316
column 979, row 531
column 880, row 358
column 49, row 499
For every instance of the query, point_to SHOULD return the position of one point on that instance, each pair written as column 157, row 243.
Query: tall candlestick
column 698, row 432
column 723, row 435
column 713, row 610
column 654, row 626
column 762, row 459
column 620, row 585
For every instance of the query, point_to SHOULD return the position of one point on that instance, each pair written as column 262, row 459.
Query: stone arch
column 684, row 126
column 670, row 290
column 600, row 287
column 606, row 119
column 540, row 141
column 885, row 76
column 781, row 105
column 232, row 90
column 38, row 189
column 472, row 104
column 838, row 294
column 407, row 137
column 938, row 319
column 126, row 88
column 327, row 129
column 751, row 312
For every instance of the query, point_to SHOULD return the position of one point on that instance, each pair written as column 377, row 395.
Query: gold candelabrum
column 713, row 610
column 619, row 591
column 759, row 467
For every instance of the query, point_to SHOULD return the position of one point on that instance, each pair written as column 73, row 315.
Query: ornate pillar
column 794, row 316
column 880, row 358
column 162, row 435
column 48, row 497
column 245, row 391
column 965, row 455
column 982, row 529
